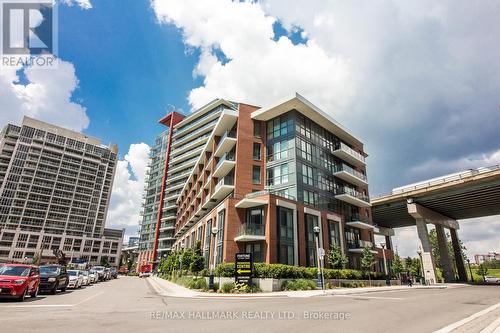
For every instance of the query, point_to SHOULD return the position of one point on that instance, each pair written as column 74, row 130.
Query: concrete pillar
column 429, row 270
column 444, row 254
column 459, row 260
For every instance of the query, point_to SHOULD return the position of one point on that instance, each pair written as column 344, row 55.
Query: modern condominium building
column 55, row 186
column 263, row 178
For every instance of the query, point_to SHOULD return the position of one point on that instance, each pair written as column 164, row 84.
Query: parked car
column 18, row 281
column 100, row 272
column 114, row 272
column 491, row 279
column 53, row 277
column 75, row 278
column 86, row 277
column 93, row 276
column 107, row 274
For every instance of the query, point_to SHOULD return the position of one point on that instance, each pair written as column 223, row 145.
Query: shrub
column 228, row 287
column 280, row 271
column 299, row 284
column 353, row 284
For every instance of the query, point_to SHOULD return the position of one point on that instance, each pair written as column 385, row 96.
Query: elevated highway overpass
column 441, row 201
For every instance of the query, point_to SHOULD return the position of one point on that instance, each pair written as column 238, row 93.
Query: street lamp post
column 419, row 252
column 470, row 270
column 183, row 245
column 212, row 267
column 321, row 283
column 387, row 279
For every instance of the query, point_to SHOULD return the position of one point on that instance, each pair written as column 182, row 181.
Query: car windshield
column 49, row 269
column 99, row 268
column 86, row 273
column 14, row 271
column 73, row 273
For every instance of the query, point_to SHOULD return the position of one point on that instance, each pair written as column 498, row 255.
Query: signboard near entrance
column 243, row 268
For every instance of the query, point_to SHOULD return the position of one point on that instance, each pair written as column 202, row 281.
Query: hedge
column 280, row 271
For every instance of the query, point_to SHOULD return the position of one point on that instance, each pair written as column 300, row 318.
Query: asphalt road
column 131, row 305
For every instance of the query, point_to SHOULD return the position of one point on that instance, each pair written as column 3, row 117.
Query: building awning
column 362, row 225
column 251, row 202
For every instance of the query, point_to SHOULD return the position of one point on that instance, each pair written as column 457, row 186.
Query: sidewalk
column 167, row 288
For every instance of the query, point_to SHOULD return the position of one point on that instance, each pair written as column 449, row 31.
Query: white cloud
column 126, row 197
column 260, row 69
column 46, row 96
column 84, row 4
column 440, row 167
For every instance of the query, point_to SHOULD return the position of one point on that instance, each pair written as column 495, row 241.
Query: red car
column 18, row 281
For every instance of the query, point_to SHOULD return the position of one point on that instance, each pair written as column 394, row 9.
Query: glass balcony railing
column 228, row 180
column 354, row 193
column 229, row 156
column 352, row 171
column 251, row 229
column 343, row 147
column 360, row 244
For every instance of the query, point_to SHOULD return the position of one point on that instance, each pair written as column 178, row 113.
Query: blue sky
column 129, row 67
column 417, row 81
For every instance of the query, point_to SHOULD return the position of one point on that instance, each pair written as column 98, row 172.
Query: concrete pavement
column 133, row 305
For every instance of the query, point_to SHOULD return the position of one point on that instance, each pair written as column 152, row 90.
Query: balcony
column 353, row 197
column 348, row 154
column 250, row 233
column 361, row 223
column 357, row 246
column 223, row 188
column 225, row 164
column 351, row 175
column 226, row 143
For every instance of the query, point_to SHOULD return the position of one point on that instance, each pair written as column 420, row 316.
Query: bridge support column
column 444, row 254
column 459, row 260
column 428, row 268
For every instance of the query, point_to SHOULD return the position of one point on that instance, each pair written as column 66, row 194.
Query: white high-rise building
column 55, row 186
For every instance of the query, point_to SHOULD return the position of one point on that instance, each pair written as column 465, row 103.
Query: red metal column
column 170, row 120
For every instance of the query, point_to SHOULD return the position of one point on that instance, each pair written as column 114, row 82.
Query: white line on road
column 51, row 305
column 494, row 327
column 464, row 321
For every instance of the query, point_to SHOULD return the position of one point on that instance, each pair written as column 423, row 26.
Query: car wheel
column 54, row 290
column 34, row 294
column 80, row 286
column 23, row 296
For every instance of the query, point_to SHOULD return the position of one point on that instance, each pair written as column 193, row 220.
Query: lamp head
column 316, row 230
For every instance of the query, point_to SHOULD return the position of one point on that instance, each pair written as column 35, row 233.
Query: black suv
column 53, row 277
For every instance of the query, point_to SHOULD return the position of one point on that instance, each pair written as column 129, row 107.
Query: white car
column 75, row 278
column 93, row 276
column 86, row 278
column 491, row 279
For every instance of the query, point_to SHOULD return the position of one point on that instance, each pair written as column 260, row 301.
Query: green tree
column 397, row 266
column 197, row 260
column 367, row 262
column 483, row 271
column 335, row 257
column 104, row 261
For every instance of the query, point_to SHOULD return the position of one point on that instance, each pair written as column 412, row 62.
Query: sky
column 417, row 81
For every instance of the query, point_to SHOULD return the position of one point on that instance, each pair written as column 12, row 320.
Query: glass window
column 256, row 151
column 278, row 175
column 255, row 220
column 285, row 236
column 334, row 230
column 220, row 235
column 256, row 174
column 256, row 250
column 311, row 222
column 257, row 128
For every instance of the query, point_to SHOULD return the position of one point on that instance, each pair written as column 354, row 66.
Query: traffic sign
column 243, row 268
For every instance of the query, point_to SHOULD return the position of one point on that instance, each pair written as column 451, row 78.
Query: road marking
column 464, row 321
column 369, row 297
column 52, row 305
column 494, row 327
